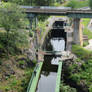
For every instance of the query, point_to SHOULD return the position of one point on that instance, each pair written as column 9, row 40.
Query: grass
column 81, row 52
column 84, row 73
column 66, row 88
column 77, row 4
column 86, row 31
column 20, row 80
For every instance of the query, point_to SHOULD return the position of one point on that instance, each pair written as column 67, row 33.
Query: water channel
column 47, row 80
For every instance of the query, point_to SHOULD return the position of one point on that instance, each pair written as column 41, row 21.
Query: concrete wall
column 77, row 32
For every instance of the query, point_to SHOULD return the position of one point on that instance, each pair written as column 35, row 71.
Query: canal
column 47, row 80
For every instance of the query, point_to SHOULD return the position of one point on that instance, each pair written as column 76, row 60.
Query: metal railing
column 33, row 75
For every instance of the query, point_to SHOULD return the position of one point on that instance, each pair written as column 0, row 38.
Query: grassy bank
column 15, row 73
column 86, row 31
column 83, row 74
column 77, row 4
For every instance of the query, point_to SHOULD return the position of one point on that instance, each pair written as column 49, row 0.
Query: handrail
column 30, row 83
column 58, row 77
column 35, row 78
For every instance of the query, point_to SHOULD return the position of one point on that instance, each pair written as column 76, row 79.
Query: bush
column 21, row 62
column 90, row 88
column 0, row 62
column 81, row 52
column 90, row 4
column 66, row 88
column 84, row 73
column 77, row 4
column 31, row 34
column 72, row 4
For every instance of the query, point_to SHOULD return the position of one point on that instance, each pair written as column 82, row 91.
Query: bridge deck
column 78, row 13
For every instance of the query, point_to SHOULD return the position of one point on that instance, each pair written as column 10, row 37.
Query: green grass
column 81, row 52
column 77, row 4
column 86, row 31
column 84, row 72
column 85, row 21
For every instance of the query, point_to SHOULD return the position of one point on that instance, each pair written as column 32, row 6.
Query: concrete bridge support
column 77, row 32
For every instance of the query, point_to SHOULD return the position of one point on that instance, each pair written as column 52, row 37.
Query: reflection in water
column 47, row 81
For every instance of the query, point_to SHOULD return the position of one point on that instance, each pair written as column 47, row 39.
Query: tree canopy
column 32, row 2
column 90, row 3
column 12, row 20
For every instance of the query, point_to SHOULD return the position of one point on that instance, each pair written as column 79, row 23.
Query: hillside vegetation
column 83, row 74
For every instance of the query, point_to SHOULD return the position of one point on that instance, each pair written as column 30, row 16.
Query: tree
column 72, row 4
column 32, row 2
column 90, row 4
column 11, row 19
column 43, row 2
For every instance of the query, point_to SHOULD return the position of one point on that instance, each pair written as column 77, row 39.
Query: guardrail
column 58, row 77
column 35, row 77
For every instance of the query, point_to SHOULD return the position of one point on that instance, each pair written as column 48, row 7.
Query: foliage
column 85, row 43
column 33, row 2
column 90, row 4
column 86, row 31
column 77, row 4
column 83, row 73
column 72, row 4
column 80, row 52
column 12, row 20
column 21, row 62
column 66, row 88
column 43, row 2
column 17, row 41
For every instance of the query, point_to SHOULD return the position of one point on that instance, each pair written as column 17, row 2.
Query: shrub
column 66, row 88
column 90, row 88
column 90, row 4
column 72, row 4
column 21, row 62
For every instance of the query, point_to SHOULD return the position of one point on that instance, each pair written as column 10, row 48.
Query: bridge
column 76, row 14
column 62, row 11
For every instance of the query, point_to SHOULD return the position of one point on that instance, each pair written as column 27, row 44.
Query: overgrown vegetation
column 11, row 36
column 14, row 38
column 86, row 31
column 83, row 74
column 77, row 4
column 67, row 88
